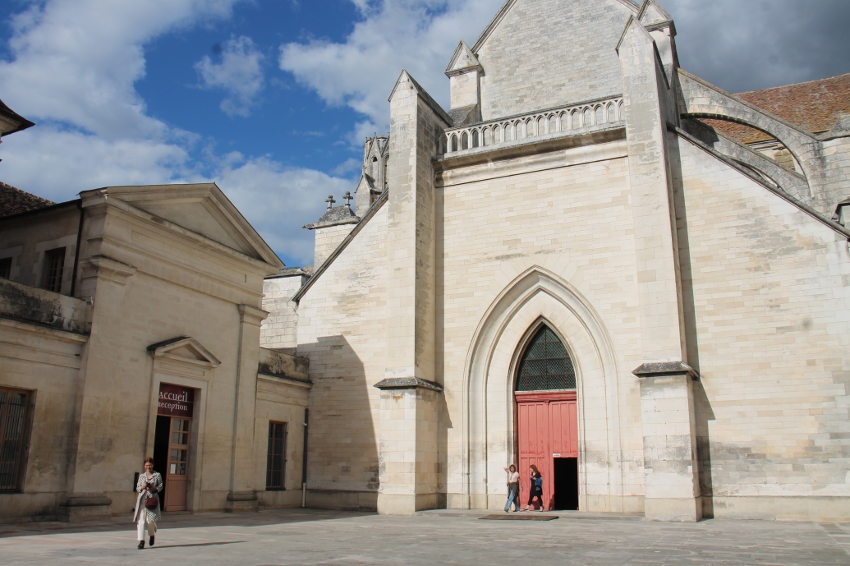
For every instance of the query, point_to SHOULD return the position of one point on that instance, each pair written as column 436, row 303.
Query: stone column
column 669, row 442
column 243, row 490
column 410, row 398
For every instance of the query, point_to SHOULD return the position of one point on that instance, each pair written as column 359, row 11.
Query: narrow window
column 545, row 365
column 54, row 262
column 14, row 428
column 5, row 267
column 276, row 458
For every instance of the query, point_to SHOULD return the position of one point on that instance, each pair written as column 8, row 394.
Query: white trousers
column 144, row 523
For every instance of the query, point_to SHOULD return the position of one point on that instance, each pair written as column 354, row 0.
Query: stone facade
column 155, row 285
column 702, row 294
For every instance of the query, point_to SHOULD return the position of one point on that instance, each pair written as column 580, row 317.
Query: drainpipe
column 77, row 249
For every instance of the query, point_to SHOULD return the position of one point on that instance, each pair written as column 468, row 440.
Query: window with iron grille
column 54, row 262
column 545, row 364
column 276, row 457
column 5, row 267
column 14, row 430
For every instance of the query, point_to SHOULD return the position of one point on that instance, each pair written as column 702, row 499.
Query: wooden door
column 178, row 464
column 546, row 429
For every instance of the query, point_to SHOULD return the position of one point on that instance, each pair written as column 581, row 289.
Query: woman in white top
column 147, row 503
column 513, row 488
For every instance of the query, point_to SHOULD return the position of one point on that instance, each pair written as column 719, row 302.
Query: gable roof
column 497, row 19
column 814, row 105
column 201, row 208
column 15, row 201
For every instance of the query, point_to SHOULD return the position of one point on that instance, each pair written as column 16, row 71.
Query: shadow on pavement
column 181, row 521
column 195, row 544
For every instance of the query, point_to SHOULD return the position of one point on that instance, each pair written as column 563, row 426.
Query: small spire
column 330, row 200
column 347, row 198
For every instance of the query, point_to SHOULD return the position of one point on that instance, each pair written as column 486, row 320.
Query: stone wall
column 342, row 330
column 529, row 66
column 566, row 213
column 279, row 329
column 769, row 311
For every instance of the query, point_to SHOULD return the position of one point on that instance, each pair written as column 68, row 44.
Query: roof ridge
column 795, row 84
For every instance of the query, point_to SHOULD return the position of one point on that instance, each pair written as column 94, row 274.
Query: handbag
column 152, row 501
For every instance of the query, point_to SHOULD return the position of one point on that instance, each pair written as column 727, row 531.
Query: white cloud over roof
column 238, row 71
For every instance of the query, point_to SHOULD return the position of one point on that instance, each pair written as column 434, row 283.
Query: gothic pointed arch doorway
column 546, row 418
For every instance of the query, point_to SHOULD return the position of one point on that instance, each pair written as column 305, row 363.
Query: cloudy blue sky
column 272, row 99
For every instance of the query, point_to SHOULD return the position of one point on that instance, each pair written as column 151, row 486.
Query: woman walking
column 148, row 487
column 536, row 487
column 513, row 489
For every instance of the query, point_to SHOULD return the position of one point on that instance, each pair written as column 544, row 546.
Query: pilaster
column 243, row 489
column 85, row 499
column 671, row 477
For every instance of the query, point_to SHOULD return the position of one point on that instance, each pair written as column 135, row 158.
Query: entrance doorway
column 547, row 421
column 566, row 483
column 172, row 444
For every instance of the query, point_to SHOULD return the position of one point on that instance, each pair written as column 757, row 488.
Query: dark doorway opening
column 566, row 483
column 160, row 449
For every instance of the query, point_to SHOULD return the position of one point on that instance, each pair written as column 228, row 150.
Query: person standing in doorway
column 513, row 489
column 536, row 487
column 147, row 512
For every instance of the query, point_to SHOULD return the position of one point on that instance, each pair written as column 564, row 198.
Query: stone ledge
column 659, row 369
column 408, row 383
column 242, row 496
column 93, row 500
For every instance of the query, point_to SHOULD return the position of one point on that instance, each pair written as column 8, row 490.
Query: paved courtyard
column 316, row 537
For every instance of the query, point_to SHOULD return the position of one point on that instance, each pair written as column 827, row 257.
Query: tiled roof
column 814, row 106
column 16, row 201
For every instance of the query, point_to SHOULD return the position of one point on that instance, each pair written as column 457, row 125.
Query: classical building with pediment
column 595, row 262
column 129, row 326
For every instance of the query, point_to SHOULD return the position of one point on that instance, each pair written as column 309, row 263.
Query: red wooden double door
column 547, row 436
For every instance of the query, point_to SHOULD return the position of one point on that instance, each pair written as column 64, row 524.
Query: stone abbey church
column 592, row 261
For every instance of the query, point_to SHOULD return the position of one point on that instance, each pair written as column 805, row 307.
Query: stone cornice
column 104, row 267
column 408, row 383
column 661, row 369
column 251, row 315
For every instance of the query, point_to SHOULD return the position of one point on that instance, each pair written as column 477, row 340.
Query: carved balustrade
column 548, row 124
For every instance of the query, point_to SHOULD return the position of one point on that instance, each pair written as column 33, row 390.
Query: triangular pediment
column 540, row 54
column 651, row 14
column 184, row 349
column 510, row 4
column 462, row 60
column 201, row 208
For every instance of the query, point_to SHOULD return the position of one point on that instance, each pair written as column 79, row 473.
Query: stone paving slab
column 319, row 537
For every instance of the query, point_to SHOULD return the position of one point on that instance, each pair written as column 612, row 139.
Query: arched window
column 545, row 364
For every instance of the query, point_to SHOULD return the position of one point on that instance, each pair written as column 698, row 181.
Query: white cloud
column 73, row 69
column 279, row 200
column 57, row 164
column 417, row 35
column 238, row 72
column 77, row 60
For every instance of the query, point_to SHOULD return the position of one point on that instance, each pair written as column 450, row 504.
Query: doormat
column 519, row 517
